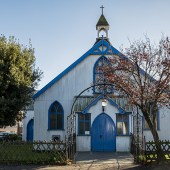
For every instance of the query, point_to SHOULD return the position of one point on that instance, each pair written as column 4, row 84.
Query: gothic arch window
column 98, row 75
column 56, row 117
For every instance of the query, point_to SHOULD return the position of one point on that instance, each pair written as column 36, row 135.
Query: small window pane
column 122, row 124
column 81, row 127
column 87, row 126
column 119, row 128
column 56, row 105
column 59, row 121
column 100, row 63
column 87, row 116
column 98, row 69
column 125, row 128
column 81, row 117
column 53, row 121
column 84, row 123
column 59, row 110
column 119, row 117
column 125, row 117
column 52, row 109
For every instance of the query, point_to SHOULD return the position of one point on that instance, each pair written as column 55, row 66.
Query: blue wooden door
column 103, row 134
column 30, row 129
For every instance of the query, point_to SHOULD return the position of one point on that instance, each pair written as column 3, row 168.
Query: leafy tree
column 18, row 79
column 144, row 77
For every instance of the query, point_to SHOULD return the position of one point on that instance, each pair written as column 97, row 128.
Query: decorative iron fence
column 150, row 150
column 71, row 148
column 137, row 145
column 34, row 152
column 147, row 152
column 137, row 149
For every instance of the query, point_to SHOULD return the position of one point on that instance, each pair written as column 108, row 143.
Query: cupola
column 102, row 26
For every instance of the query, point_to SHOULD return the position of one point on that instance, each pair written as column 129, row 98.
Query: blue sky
column 61, row 31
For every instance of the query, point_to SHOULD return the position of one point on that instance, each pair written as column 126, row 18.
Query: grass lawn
column 22, row 152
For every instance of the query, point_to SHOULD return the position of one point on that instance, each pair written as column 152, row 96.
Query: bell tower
column 102, row 26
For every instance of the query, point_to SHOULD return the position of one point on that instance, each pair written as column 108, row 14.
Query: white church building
column 98, row 127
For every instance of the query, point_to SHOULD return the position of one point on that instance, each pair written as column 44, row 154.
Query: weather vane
column 102, row 8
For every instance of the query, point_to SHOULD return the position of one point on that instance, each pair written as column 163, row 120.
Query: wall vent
column 55, row 138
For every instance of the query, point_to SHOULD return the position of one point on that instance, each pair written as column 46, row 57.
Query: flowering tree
column 144, row 77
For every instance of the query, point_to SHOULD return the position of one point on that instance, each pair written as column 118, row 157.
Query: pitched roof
column 92, row 51
column 102, row 21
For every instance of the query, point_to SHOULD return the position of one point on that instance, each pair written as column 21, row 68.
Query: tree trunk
column 159, row 151
column 153, row 128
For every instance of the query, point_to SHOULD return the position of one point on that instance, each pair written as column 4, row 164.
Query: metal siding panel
column 63, row 91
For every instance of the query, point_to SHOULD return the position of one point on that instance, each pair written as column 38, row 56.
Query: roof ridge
column 59, row 76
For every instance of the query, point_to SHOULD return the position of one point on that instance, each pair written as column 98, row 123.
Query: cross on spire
column 102, row 8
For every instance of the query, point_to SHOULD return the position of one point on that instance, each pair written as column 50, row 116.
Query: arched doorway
column 30, row 128
column 103, row 136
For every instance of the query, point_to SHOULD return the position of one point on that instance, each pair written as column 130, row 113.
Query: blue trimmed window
column 122, row 124
column 56, row 117
column 98, row 75
column 84, row 121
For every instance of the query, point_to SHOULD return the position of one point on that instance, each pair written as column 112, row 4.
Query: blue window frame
column 98, row 75
column 56, row 117
column 122, row 124
column 84, row 121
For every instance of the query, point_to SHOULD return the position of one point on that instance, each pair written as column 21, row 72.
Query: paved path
column 104, row 160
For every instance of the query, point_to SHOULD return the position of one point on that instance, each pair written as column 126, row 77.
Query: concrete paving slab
column 103, row 158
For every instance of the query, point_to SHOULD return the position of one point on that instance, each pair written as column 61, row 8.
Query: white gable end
column 63, row 91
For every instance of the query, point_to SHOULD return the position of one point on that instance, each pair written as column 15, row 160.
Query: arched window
column 98, row 75
column 56, row 116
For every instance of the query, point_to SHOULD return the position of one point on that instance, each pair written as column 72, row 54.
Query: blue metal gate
column 30, row 129
column 103, row 136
